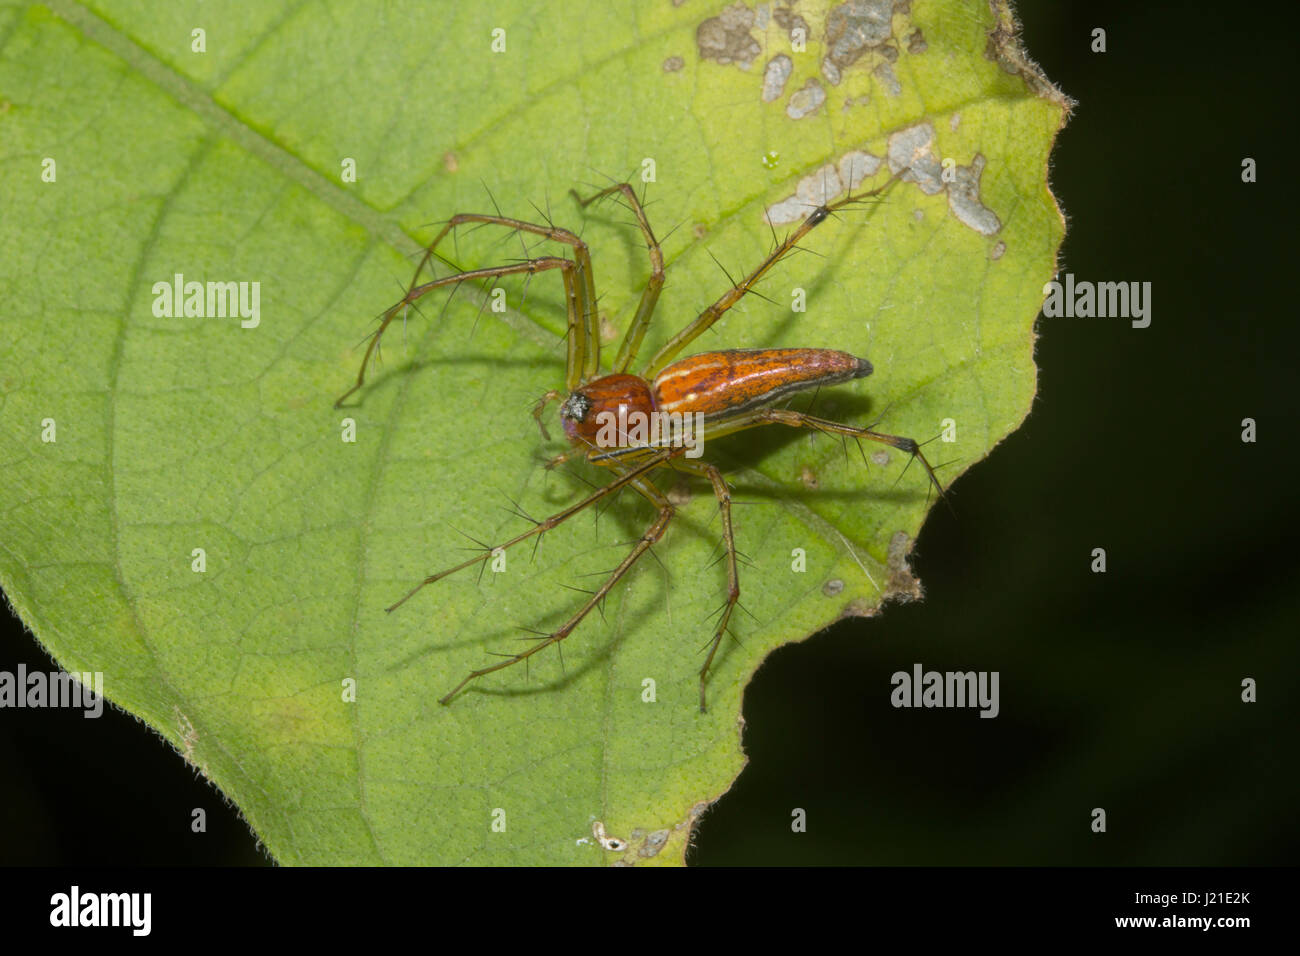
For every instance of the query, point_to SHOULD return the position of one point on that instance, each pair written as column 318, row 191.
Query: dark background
column 1118, row 690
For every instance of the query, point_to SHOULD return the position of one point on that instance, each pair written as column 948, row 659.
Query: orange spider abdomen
column 736, row 380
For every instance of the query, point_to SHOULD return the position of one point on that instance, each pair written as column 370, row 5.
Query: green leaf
column 180, row 433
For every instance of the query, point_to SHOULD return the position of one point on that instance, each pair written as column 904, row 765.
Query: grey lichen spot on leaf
column 916, row 42
column 806, row 100
column 673, row 64
column 697, row 811
column 642, row 843
column 831, row 72
column 726, row 38
column 832, row 587
column 775, row 77
column 653, row 843
column 816, row 189
column 964, row 201
column 998, row 251
column 789, row 21
column 854, row 27
column 822, row 185
column 900, row 545
column 857, row 166
column 885, row 73
column 911, row 149
column 903, row 585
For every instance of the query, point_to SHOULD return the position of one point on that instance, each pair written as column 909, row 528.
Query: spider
column 604, row 415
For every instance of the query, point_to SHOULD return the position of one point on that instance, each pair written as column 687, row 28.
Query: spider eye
column 575, row 407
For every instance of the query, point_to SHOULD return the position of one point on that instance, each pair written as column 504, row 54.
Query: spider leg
column 527, row 267
column 785, row 416
column 629, row 476
column 539, row 407
column 645, row 308
column 723, row 494
column 637, row 479
column 733, row 295
column 579, row 284
column 911, row 446
column 584, row 333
